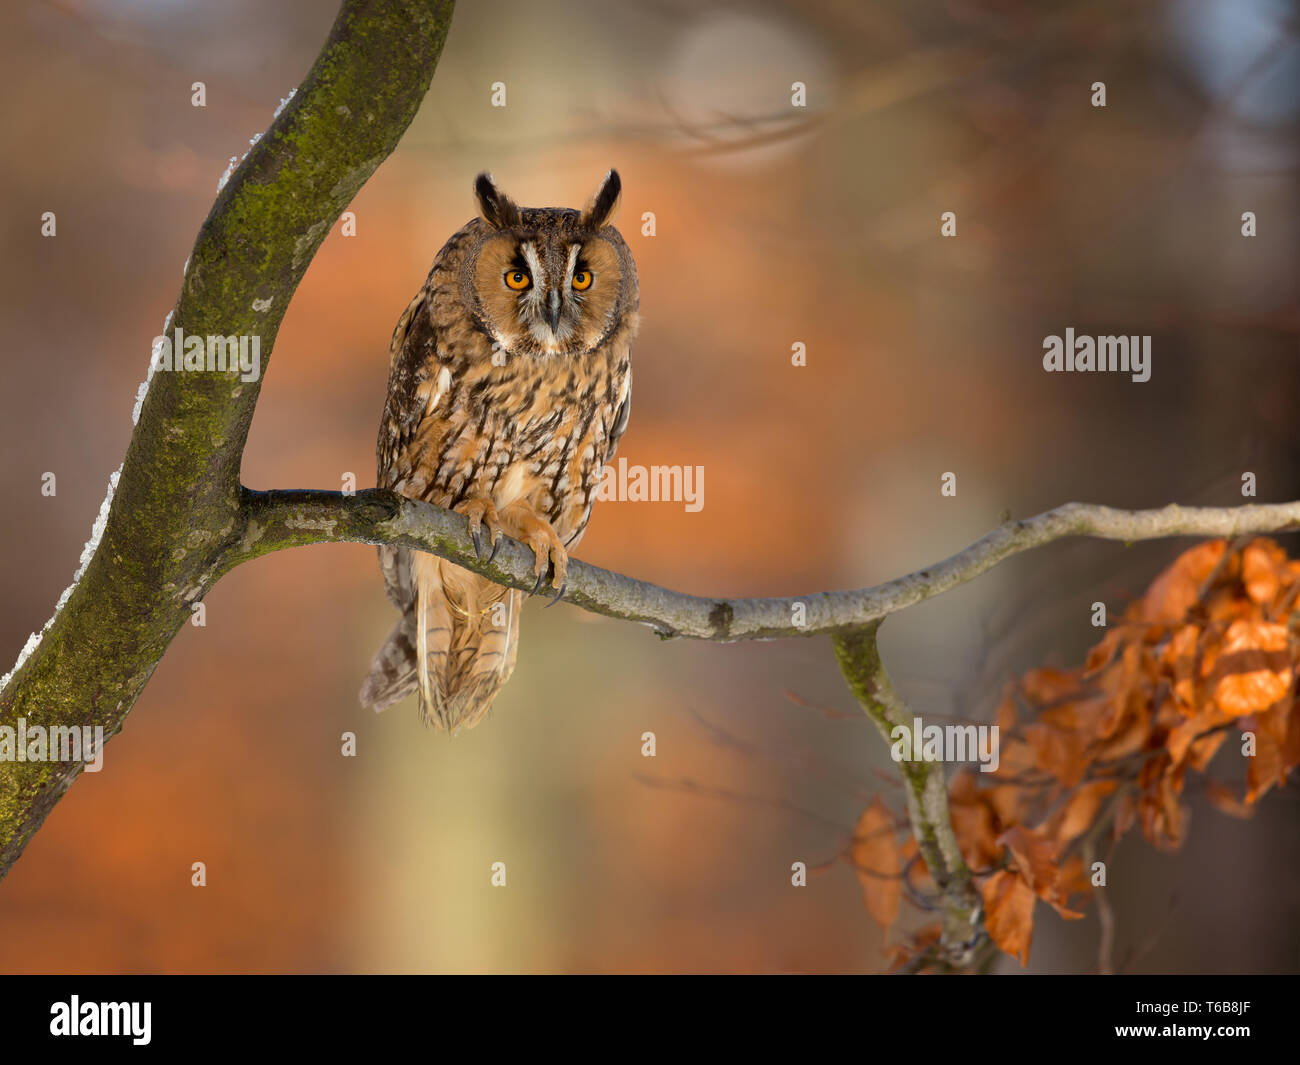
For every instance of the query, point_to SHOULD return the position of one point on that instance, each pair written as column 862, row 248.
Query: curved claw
column 557, row 597
column 476, row 534
column 496, row 545
column 541, row 579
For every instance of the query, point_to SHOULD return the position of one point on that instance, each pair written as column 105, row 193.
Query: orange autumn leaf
column 1116, row 683
column 1276, row 748
column 1103, row 653
column 1179, row 661
column 1007, row 718
column 1164, row 818
column 1263, row 567
column 1264, row 769
column 914, row 868
column 1253, row 670
column 1130, row 733
column 974, row 822
column 1017, row 758
column 1206, row 647
column 1035, row 861
column 1175, row 591
column 1077, row 816
column 1059, row 752
column 1073, row 880
column 1183, row 738
column 1035, row 857
column 878, row 863
column 1126, row 813
column 1009, row 913
column 1204, row 749
column 1007, row 801
column 921, row 940
column 1220, row 796
column 1046, row 685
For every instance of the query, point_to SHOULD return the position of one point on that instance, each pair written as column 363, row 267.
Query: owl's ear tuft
column 603, row 204
column 498, row 210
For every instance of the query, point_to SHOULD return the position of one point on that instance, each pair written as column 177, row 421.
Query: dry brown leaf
column 1176, row 590
column 1164, row 818
column 1253, row 670
column 1073, row 880
column 1007, row 718
column 1103, row 653
column 1275, row 749
column 1077, row 816
column 1034, row 856
column 1035, row 860
column 1058, row 751
column 1203, row 750
column 921, row 940
column 1009, row 913
column 1263, row 566
column 1126, row 813
column 1046, row 685
column 1179, row 662
column 914, row 867
column 973, row 822
column 1184, row 737
column 1154, row 699
column 878, row 863
column 1222, row 799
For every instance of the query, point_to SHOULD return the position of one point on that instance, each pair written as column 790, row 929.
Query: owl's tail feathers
column 467, row 636
column 455, row 646
column 392, row 675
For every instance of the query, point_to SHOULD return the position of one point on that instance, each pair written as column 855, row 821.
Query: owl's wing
column 620, row 418
column 403, row 408
column 404, row 411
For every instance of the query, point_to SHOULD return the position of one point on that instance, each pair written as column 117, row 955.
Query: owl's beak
column 553, row 311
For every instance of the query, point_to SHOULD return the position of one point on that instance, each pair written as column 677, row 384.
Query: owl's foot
column 481, row 512
column 551, row 557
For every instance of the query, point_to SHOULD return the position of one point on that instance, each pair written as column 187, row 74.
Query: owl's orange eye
column 518, row 280
column 582, row 280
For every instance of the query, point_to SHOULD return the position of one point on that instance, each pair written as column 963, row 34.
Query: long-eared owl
column 509, row 386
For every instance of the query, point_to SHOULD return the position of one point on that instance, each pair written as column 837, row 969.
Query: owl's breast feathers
column 463, row 420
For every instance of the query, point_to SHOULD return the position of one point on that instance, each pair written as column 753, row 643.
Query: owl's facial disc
column 548, row 291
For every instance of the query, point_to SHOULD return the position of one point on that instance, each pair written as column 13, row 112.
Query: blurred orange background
column 772, row 227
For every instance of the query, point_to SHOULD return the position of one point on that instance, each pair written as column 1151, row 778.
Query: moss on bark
column 177, row 504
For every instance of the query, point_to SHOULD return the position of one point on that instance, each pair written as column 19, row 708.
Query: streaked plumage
column 504, row 402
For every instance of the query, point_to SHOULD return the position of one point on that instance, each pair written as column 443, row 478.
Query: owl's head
column 548, row 280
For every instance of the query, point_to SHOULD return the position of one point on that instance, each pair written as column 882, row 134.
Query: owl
column 508, row 390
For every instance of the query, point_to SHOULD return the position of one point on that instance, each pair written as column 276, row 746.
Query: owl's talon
column 541, row 579
column 557, row 597
column 482, row 512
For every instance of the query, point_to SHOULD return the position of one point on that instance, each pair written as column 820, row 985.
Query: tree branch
column 177, row 500
column 927, row 792
column 277, row 520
